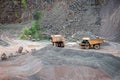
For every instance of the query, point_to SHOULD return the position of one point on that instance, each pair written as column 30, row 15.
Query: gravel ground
column 14, row 45
column 52, row 56
column 19, row 67
column 70, row 60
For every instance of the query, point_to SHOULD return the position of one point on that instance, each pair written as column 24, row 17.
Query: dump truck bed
column 57, row 38
column 96, row 41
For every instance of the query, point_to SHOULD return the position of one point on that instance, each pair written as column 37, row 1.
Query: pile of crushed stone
column 53, row 56
column 18, row 68
column 61, row 64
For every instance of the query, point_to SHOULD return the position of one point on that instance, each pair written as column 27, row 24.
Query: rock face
column 63, row 17
column 10, row 11
column 14, row 11
column 67, row 17
column 110, row 23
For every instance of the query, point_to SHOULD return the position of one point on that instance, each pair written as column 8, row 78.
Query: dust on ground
column 14, row 45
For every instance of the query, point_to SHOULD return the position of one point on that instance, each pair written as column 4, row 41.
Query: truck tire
column 62, row 44
column 87, row 46
column 97, row 46
column 56, row 44
column 59, row 44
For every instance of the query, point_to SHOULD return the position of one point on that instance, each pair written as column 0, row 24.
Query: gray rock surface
column 110, row 20
column 68, row 17
column 52, row 56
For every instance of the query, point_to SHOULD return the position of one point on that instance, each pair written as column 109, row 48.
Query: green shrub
column 35, row 30
column 16, row 14
column 23, row 36
column 24, row 4
column 37, row 15
column 32, row 31
column 26, row 31
column 36, row 35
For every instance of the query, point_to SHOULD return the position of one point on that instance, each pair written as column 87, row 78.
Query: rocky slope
column 110, row 23
column 68, row 17
column 64, row 64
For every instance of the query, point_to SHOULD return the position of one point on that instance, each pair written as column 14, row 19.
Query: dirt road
column 27, row 46
column 107, row 47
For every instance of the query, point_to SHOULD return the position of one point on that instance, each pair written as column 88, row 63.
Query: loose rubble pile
column 19, row 67
column 52, row 63
column 64, row 63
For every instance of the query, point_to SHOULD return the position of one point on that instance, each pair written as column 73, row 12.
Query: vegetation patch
column 36, row 29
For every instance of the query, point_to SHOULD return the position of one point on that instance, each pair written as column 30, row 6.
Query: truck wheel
column 97, row 46
column 53, row 43
column 87, row 46
column 62, row 44
column 59, row 44
column 56, row 44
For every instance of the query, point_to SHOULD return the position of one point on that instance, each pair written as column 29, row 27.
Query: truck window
column 85, row 42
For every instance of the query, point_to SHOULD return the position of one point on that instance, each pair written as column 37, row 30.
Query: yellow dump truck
column 91, row 43
column 57, row 40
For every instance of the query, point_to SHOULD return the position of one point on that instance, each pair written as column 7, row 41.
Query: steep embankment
column 110, row 24
column 60, row 16
column 68, row 17
column 73, row 17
